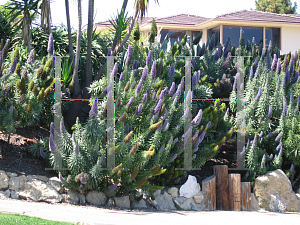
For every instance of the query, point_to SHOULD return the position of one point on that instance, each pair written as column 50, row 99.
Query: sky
column 104, row 10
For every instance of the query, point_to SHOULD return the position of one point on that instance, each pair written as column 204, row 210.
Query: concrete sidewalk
column 93, row 215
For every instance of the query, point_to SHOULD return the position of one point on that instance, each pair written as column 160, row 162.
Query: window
column 273, row 34
column 249, row 32
column 173, row 35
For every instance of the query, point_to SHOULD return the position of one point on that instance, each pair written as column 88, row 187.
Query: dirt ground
column 15, row 156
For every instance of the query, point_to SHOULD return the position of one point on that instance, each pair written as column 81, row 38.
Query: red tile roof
column 253, row 15
column 243, row 15
column 182, row 19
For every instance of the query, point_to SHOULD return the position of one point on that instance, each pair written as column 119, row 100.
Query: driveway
column 94, row 215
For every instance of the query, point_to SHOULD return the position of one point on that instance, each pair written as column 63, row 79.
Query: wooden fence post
column 221, row 172
column 234, row 191
column 209, row 192
column 246, row 196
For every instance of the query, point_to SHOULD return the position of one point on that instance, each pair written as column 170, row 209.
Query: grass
column 11, row 219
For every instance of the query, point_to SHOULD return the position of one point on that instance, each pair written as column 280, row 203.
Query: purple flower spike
column 154, row 95
column 113, row 187
column 52, row 129
column 248, row 143
column 196, row 121
column 280, row 152
column 261, row 134
column 144, row 98
column 172, row 89
column 194, row 156
column 271, row 157
column 144, row 76
column 278, row 69
column 149, row 58
column 176, row 139
column 148, row 93
column 130, row 102
column 291, row 97
column 157, row 107
column 270, row 112
column 153, row 70
column 165, row 125
column 196, row 149
column 61, row 178
column 42, row 153
column 193, row 63
column 174, row 156
column 278, row 136
column 134, row 66
column 31, row 57
column 178, row 92
column 109, row 52
column 172, row 71
column 94, row 109
column 11, row 109
column 139, row 110
column 274, row 63
column 298, row 101
column 251, row 72
column 139, row 87
column 292, row 168
column 13, row 66
column 278, row 146
column 76, row 149
column 50, row 44
column 121, row 77
column 162, row 148
column 200, row 138
column 129, row 55
column 52, row 146
column 295, row 79
column 258, row 95
column 278, row 83
column 115, row 69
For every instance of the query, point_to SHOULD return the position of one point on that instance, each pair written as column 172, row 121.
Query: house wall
column 290, row 39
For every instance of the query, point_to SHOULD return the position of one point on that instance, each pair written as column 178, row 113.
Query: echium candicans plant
column 149, row 129
column 271, row 118
column 29, row 93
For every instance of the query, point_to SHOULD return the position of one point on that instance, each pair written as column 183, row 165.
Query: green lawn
column 12, row 219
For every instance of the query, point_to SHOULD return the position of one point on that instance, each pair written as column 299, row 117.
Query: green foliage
column 136, row 32
column 276, row 6
column 153, row 32
column 197, row 39
column 148, row 139
column 120, row 25
column 279, row 127
column 28, row 93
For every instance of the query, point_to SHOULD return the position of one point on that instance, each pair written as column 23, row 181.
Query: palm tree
column 88, row 68
column 79, row 108
column 46, row 16
column 23, row 12
column 141, row 7
column 69, row 31
column 75, row 82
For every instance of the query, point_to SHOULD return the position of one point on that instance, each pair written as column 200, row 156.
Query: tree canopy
column 276, row 6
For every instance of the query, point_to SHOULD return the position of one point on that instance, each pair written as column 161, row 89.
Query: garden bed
column 16, row 157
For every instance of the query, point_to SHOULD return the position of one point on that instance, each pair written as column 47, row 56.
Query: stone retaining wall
column 188, row 197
